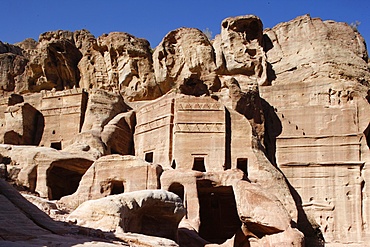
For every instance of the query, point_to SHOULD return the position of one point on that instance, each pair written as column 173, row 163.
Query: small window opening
column 149, row 157
column 56, row 145
column 173, row 165
column 117, row 187
column 242, row 164
column 198, row 164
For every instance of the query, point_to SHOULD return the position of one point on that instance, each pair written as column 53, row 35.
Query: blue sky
column 152, row 20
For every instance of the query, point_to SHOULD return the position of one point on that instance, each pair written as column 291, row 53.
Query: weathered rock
column 112, row 174
column 12, row 64
column 46, row 171
column 308, row 48
column 239, row 49
column 102, row 106
column 129, row 65
column 92, row 66
column 248, row 103
column 22, row 125
column 149, row 212
column 53, row 64
column 89, row 143
column 118, row 134
column 318, row 116
column 185, row 60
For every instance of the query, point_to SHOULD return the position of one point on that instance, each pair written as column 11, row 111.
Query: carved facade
column 184, row 132
column 64, row 113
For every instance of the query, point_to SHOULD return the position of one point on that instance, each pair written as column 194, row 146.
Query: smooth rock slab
column 149, row 212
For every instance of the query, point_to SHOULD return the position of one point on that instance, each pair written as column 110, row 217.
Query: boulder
column 265, row 221
column 149, row 212
column 37, row 229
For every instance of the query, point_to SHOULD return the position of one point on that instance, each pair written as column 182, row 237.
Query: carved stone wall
column 155, row 123
column 199, row 134
column 64, row 114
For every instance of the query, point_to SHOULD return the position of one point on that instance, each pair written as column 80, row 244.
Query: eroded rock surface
column 149, row 212
column 112, row 174
column 263, row 135
column 185, row 60
column 319, row 115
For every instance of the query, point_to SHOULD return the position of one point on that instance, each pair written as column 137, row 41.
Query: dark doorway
column 242, row 164
column 56, row 145
column 218, row 213
column 173, row 165
column 367, row 135
column 149, row 157
column 116, row 187
column 178, row 189
column 62, row 182
column 198, row 164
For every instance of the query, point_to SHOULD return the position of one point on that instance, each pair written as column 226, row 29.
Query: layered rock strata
column 263, row 135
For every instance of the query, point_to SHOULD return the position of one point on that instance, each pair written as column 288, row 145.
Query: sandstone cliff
column 262, row 135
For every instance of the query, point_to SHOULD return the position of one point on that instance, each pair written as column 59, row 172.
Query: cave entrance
column 56, row 145
column 116, row 187
column 62, row 182
column 178, row 189
column 219, row 218
column 242, row 164
column 64, row 176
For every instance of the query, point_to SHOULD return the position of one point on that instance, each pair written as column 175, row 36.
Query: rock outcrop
column 37, row 229
column 185, row 60
column 308, row 48
column 148, row 212
column 263, row 135
column 319, row 115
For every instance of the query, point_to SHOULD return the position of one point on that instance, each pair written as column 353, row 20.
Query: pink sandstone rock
column 112, row 174
column 223, row 118
column 149, row 212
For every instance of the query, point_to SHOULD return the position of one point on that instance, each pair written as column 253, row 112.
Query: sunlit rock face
column 319, row 100
column 263, row 135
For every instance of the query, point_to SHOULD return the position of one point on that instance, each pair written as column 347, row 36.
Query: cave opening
column 242, row 164
column 116, row 187
column 178, row 189
column 219, row 218
column 56, row 145
column 62, row 182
